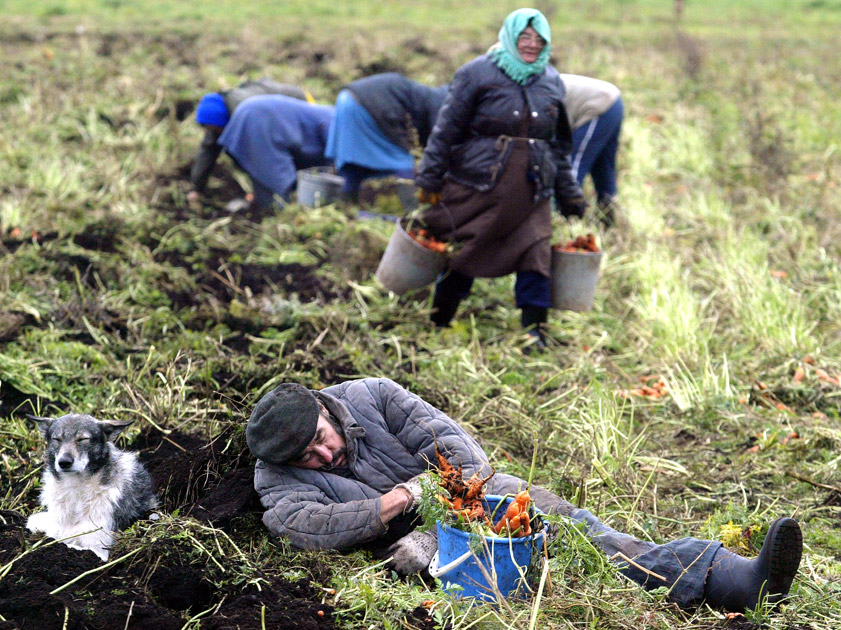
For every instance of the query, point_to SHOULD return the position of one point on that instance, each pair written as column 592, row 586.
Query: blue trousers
column 530, row 288
column 680, row 565
column 594, row 147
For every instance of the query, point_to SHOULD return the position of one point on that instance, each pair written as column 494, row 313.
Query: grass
column 723, row 273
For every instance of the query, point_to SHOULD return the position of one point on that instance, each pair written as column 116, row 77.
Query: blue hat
column 212, row 110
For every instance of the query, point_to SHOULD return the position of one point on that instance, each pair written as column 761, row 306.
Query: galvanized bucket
column 406, row 264
column 318, row 186
column 574, row 278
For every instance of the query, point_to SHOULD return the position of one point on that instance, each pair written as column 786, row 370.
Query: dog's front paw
column 38, row 522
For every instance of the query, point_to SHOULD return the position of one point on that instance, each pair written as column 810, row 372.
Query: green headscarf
column 506, row 56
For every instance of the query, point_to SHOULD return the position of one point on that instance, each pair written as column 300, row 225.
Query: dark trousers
column 530, row 288
column 594, row 148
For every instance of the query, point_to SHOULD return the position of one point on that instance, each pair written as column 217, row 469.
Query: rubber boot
column 533, row 318
column 738, row 584
column 444, row 308
column 608, row 208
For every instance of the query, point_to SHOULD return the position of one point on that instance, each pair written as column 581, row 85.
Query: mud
column 14, row 402
column 171, row 581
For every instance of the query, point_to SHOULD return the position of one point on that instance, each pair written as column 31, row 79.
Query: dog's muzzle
column 65, row 462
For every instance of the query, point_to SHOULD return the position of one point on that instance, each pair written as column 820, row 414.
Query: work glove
column 432, row 198
column 414, row 488
column 413, row 552
column 572, row 206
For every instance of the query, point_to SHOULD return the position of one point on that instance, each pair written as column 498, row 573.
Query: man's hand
column 432, row 198
column 413, row 552
column 193, row 196
column 573, row 206
column 414, row 488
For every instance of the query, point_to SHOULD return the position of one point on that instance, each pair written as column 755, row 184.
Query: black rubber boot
column 607, row 210
column 738, row 584
column 444, row 308
column 533, row 318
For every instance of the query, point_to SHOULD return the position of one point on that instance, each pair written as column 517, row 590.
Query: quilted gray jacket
column 390, row 436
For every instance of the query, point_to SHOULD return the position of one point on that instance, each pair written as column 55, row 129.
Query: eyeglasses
column 526, row 38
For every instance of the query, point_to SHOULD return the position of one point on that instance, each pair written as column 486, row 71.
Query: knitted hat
column 282, row 424
column 212, row 110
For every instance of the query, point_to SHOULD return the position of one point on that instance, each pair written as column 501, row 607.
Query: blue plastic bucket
column 510, row 560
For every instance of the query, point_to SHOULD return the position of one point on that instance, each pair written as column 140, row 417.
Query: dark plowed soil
column 169, row 580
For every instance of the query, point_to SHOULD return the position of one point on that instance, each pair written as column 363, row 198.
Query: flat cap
column 283, row 423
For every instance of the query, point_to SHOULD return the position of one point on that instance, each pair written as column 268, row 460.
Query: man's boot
column 533, row 318
column 444, row 308
column 738, row 584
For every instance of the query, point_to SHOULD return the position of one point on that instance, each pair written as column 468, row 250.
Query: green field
column 120, row 300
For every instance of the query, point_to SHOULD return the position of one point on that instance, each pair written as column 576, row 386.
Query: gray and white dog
column 91, row 488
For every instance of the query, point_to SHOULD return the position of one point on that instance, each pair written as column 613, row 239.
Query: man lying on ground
column 340, row 467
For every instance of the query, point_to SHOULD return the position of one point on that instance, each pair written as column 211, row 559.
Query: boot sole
column 786, row 541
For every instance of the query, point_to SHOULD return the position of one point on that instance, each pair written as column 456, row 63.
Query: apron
column 502, row 230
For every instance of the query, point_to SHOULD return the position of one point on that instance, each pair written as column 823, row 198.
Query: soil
column 14, row 402
column 210, row 480
column 167, row 582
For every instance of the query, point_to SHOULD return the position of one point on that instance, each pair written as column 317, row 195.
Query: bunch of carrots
column 465, row 500
column 579, row 244
column 425, row 239
column 516, row 519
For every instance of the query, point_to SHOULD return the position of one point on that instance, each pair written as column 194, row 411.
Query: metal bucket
column 406, row 264
column 574, row 278
column 318, row 186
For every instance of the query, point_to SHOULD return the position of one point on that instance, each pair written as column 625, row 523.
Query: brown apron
column 501, row 230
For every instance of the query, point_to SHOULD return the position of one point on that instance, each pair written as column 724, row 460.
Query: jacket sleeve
column 206, row 157
column 309, row 517
column 418, row 425
column 566, row 186
column 450, row 129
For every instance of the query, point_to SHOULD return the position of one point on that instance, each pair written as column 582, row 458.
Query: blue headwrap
column 212, row 110
column 505, row 54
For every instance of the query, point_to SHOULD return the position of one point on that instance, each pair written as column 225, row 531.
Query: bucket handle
column 436, row 571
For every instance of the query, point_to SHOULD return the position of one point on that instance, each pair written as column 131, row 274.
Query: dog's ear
column 112, row 428
column 44, row 424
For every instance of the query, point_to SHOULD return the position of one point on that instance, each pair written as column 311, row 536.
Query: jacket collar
column 351, row 429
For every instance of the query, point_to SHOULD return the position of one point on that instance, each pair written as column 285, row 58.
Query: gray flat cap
column 283, row 423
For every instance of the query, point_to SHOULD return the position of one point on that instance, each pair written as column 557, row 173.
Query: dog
column 91, row 488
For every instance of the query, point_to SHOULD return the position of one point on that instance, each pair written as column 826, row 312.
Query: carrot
column 425, row 239
column 579, row 244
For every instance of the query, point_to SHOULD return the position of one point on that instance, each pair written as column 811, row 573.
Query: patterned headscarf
column 505, row 54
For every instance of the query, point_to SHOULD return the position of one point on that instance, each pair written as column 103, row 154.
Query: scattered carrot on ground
column 579, row 244
column 652, row 388
column 424, row 238
column 823, row 375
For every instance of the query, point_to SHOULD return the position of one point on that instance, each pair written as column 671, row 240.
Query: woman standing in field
column 497, row 154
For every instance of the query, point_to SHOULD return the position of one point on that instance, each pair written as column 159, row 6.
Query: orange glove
column 432, row 198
